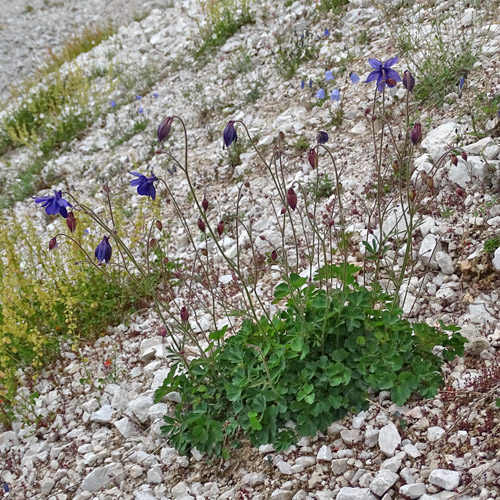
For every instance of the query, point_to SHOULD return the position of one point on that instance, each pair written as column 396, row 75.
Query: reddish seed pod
column 283, row 211
column 71, row 222
column 159, row 225
column 201, row 225
column 281, row 136
column 416, row 134
column 464, row 155
column 395, row 166
column 52, row 243
column 274, row 255
column 220, row 227
column 291, row 198
column 454, row 159
column 460, row 192
column 247, row 184
column 204, row 252
column 311, row 215
column 204, row 204
column 312, row 157
column 152, row 243
column 184, row 314
column 263, row 238
column 163, row 332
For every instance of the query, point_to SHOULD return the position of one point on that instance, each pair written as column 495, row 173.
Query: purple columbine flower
column 322, row 137
column 164, row 128
column 320, row 94
column 145, row 185
column 354, row 78
column 329, row 75
column 461, row 82
column 138, row 97
column 335, row 95
column 54, row 204
column 113, row 104
column 310, row 83
column 229, row 134
column 327, row 32
column 383, row 73
column 302, row 84
column 140, row 111
column 103, row 250
column 155, row 95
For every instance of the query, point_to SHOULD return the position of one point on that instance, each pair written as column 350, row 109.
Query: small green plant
column 293, row 53
column 301, row 144
column 311, row 363
column 223, row 19
column 491, row 245
column 139, row 125
column 240, row 64
column 334, row 6
column 320, row 187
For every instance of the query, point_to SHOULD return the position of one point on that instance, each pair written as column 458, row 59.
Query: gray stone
column 355, row 494
column 305, row 461
column 460, row 174
column 496, row 259
column 476, row 343
column 120, row 399
column 389, row 439
column 139, row 407
column 253, row 479
column 383, row 481
column 158, row 411
column 339, row 466
column 350, row 436
column 285, row 467
column 103, row 415
column 324, row 454
column 435, row 433
column 438, row 139
column 159, row 377
column 180, row 490
column 127, row 428
column 445, row 263
column 446, row 479
column 46, row 485
column 281, row 495
column 428, row 249
column 96, row 479
column 412, row 490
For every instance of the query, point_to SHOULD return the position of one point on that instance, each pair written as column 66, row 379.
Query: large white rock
column 496, row 259
column 383, row 481
column 435, row 433
column 103, row 415
column 437, row 140
column 389, row 439
column 96, row 479
column 445, row 262
column 446, row 479
column 127, row 428
column 139, row 407
column 324, row 454
column 428, row 248
column 412, row 491
column 355, row 494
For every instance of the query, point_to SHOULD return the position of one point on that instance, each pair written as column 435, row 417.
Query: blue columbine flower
column 140, row 111
column 155, row 95
column 322, row 137
column 383, row 73
column 113, row 104
column 229, row 134
column 138, row 97
column 461, row 82
column 103, row 250
column 145, row 185
column 54, row 204
column 329, row 75
column 310, row 83
column 354, row 78
column 335, row 95
column 320, row 94
column 302, row 84
column 327, row 32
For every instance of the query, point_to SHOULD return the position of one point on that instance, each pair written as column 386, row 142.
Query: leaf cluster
column 310, row 364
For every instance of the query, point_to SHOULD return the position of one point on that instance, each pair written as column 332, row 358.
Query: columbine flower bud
column 201, row 225
column 454, row 159
column 159, row 225
column 291, row 198
column 322, row 137
column 184, row 314
column 464, row 155
column 52, row 243
column 283, row 211
column 391, row 82
column 204, row 204
column 408, row 81
column 163, row 332
column 460, row 192
column 312, row 157
column 71, row 222
column 229, row 134
column 274, row 255
column 164, row 128
column 395, row 166
column 103, row 251
column 416, row 134
column 220, row 227
column 152, row 243
column 412, row 195
column 281, row 136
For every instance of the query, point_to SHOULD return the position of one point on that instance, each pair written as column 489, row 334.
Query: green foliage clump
column 223, row 19
column 491, row 245
column 311, row 363
column 292, row 54
column 335, row 6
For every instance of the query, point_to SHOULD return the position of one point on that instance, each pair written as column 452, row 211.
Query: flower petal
column 390, row 62
column 391, row 73
column 375, row 63
column 372, row 76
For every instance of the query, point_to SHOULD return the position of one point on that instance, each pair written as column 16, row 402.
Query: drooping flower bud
column 274, row 255
column 164, row 128
column 391, row 82
column 52, row 243
column 201, row 225
column 281, row 136
column 322, row 137
column 159, row 225
column 454, row 159
column 460, row 192
column 204, row 204
column 412, row 194
column 408, row 81
column 229, row 134
column 184, row 314
column 291, row 198
column 220, row 227
column 395, row 166
column 71, row 221
column 416, row 134
column 262, row 237
column 312, row 157
column 163, row 332
column 152, row 243
column 464, row 155
column 103, row 251
column 283, row 211
column 204, row 252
